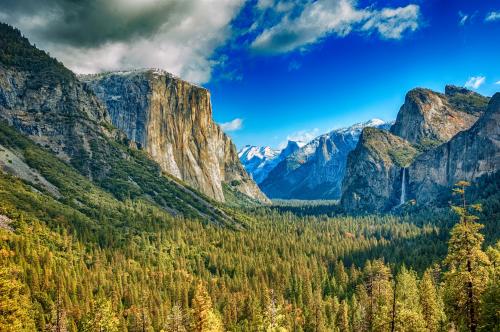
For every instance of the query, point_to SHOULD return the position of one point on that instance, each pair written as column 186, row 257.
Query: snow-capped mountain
column 259, row 161
column 316, row 170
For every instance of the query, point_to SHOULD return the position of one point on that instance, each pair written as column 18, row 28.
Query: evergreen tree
column 467, row 276
column 204, row 316
column 101, row 317
column 343, row 317
column 432, row 306
column 489, row 317
column 407, row 310
column 15, row 304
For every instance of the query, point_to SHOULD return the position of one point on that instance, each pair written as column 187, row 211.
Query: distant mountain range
column 305, row 171
column 259, row 161
column 436, row 140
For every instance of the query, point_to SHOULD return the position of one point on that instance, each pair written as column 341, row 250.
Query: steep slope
column 260, row 161
column 43, row 100
column 316, row 170
column 375, row 168
column 440, row 142
column 468, row 156
column 172, row 121
column 429, row 118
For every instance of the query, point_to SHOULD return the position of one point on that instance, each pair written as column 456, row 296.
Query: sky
column 279, row 69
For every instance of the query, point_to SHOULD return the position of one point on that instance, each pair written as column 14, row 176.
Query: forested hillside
column 92, row 262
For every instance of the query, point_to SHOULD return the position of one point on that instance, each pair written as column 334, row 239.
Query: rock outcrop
column 437, row 140
column 467, row 156
column 316, row 170
column 60, row 115
column 171, row 120
column 42, row 100
column 375, row 171
column 429, row 118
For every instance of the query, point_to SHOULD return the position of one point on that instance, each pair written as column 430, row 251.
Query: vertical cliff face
column 375, row 171
column 60, row 115
column 172, row 120
column 429, row 118
column 467, row 156
column 437, row 140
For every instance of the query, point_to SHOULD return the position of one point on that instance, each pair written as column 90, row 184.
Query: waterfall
column 403, row 187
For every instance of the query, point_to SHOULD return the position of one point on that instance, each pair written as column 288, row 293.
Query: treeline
column 283, row 273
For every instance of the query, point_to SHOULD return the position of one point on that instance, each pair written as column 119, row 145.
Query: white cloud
column 340, row 17
column 492, row 16
column 179, row 36
column 301, row 136
column 463, row 18
column 475, row 82
column 391, row 23
column 233, row 125
column 497, row 82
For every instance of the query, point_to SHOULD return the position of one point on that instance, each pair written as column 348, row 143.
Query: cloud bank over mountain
column 188, row 37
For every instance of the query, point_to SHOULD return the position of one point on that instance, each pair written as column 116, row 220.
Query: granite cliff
column 47, row 115
column 375, row 171
column 469, row 155
column 437, row 139
column 429, row 118
column 171, row 120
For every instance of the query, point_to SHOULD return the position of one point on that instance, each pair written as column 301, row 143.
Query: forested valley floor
column 87, row 259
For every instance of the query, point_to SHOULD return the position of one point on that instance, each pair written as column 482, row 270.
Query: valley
column 125, row 207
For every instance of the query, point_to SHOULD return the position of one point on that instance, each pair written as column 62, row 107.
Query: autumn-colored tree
column 15, row 304
column 205, row 319
column 101, row 317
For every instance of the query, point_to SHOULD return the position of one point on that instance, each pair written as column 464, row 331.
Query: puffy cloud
column 392, row 23
column 179, row 36
column 497, row 82
column 233, row 125
column 475, row 82
column 492, row 16
column 316, row 20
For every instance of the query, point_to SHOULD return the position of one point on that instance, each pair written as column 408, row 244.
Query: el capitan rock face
column 437, row 139
column 172, row 120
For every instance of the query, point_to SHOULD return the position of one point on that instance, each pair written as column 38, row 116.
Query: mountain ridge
column 315, row 170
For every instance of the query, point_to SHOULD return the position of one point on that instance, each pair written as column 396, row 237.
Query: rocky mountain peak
column 437, row 140
column 428, row 118
column 316, row 170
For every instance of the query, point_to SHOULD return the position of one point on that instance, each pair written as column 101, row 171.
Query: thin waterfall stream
column 403, row 187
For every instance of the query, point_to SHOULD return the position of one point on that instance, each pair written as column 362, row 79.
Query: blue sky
column 279, row 69
column 340, row 80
